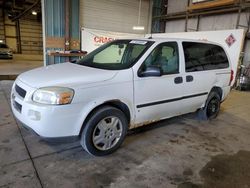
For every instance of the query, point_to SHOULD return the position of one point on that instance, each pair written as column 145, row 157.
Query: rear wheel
column 212, row 107
column 105, row 131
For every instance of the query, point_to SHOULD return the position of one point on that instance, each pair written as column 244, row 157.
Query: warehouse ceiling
column 16, row 9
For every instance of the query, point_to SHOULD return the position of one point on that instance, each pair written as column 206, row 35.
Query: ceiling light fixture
column 34, row 12
column 138, row 27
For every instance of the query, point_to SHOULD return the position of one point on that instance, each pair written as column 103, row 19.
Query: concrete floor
column 9, row 69
column 180, row 152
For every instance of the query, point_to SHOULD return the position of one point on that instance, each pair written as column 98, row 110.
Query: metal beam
column 211, row 4
column 182, row 15
column 18, row 34
column 26, row 11
column 44, row 39
column 238, row 16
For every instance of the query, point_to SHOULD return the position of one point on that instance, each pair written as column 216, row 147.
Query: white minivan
column 122, row 85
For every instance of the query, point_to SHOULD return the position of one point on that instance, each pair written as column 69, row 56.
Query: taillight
column 231, row 77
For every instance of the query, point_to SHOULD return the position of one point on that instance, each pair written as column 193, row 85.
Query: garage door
column 31, row 37
column 99, row 14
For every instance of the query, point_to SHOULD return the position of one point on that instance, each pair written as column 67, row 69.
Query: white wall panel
column 175, row 26
column 177, row 6
column 209, row 23
column 179, row 25
column 192, row 24
column 113, row 15
column 244, row 20
column 218, row 22
column 246, row 60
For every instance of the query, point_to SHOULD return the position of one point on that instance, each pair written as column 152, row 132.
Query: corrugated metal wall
column 31, row 37
column 113, row 15
column 55, row 27
column 74, row 20
column 54, row 18
column 10, row 33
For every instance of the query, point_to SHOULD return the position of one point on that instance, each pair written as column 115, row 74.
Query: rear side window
column 202, row 56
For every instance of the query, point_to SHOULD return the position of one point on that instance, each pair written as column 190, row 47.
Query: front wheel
column 212, row 107
column 104, row 131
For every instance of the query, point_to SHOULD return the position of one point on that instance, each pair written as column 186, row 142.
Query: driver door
column 159, row 97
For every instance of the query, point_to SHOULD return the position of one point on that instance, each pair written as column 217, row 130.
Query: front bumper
column 48, row 121
column 6, row 56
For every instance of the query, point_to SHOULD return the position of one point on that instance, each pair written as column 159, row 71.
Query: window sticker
column 138, row 42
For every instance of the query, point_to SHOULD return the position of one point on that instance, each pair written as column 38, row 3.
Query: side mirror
column 153, row 71
column 73, row 61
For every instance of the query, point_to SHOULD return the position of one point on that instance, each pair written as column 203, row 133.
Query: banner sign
column 92, row 38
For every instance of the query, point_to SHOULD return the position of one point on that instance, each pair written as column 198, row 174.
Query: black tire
column 211, row 108
column 96, row 126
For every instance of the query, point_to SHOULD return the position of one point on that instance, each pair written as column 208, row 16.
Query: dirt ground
column 10, row 69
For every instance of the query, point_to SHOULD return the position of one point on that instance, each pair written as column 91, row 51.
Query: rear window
column 3, row 46
column 202, row 56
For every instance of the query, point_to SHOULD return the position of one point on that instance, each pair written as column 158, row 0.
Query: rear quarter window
column 202, row 56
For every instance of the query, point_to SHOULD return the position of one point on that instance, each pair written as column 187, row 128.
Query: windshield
column 3, row 46
column 116, row 55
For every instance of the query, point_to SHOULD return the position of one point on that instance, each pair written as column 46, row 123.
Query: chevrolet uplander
column 122, row 85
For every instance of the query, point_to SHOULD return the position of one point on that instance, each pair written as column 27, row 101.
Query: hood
column 64, row 74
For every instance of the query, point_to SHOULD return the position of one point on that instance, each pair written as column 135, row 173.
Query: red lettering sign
column 102, row 39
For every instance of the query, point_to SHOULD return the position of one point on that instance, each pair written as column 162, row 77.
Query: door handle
column 189, row 78
column 178, row 80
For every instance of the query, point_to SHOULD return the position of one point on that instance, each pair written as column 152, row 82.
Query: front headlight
column 53, row 95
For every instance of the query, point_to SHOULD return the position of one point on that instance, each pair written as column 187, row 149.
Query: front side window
column 165, row 56
column 116, row 55
column 202, row 56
